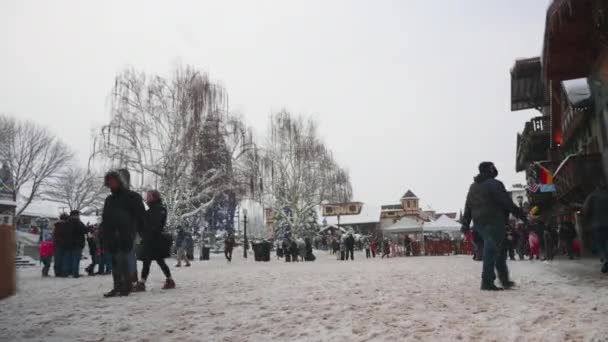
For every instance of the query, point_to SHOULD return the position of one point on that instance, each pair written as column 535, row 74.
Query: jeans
column 132, row 265
column 120, row 272
column 601, row 237
column 105, row 262
column 494, row 256
column 59, row 260
column 75, row 255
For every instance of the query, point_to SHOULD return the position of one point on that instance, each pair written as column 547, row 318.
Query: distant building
column 362, row 218
column 409, row 206
column 519, row 194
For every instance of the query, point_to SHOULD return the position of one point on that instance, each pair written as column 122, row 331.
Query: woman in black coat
column 155, row 244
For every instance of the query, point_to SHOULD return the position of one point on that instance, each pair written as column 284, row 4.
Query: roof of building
column 392, row 207
column 409, row 194
column 450, row 215
column 442, row 224
column 404, row 225
column 369, row 214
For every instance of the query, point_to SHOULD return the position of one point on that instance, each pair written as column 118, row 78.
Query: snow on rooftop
column 369, row 214
column 577, row 90
column 442, row 224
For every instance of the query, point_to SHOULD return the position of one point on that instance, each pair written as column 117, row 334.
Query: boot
column 169, row 284
column 490, row 287
column 605, row 268
column 139, row 287
column 113, row 293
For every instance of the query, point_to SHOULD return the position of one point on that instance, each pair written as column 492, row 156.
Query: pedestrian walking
column 180, row 245
column 350, row 246
column 156, row 244
column 386, row 248
column 229, row 243
column 368, row 253
column 487, row 206
column 373, row 247
column 46, row 256
column 122, row 217
column 595, row 215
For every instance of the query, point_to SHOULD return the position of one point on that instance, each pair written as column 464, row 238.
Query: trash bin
column 205, row 253
column 261, row 251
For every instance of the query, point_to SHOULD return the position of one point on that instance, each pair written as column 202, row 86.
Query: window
column 390, row 213
column 408, row 203
column 329, row 210
column 352, row 208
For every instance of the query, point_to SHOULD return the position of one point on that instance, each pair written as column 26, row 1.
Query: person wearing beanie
column 488, row 206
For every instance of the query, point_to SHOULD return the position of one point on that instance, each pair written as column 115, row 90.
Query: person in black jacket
column 229, row 246
column 59, row 244
column 78, row 231
column 123, row 216
column 155, row 244
column 350, row 246
column 488, row 205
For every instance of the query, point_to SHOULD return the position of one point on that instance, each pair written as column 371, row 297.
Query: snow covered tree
column 78, row 189
column 176, row 136
column 299, row 173
column 33, row 155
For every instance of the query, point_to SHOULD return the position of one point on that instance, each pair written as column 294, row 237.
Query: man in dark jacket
column 595, row 213
column 123, row 216
column 567, row 234
column 488, row 205
column 78, row 231
column 155, row 244
column 59, row 244
column 228, row 247
column 350, row 246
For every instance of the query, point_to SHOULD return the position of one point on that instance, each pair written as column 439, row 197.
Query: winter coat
column 59, row 235
column 155, row 244
column 180, row 239
column 350, row 242
column 229, row 243
column 595, row 211
column 123, row 216
column 46, row 249
column 78, row 231
column 488, row 203
column 92, row 242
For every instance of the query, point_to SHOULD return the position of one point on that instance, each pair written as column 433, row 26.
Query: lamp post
column 245, row 242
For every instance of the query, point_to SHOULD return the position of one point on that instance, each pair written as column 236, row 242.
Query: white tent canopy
column 404, row 225
column 442, row 224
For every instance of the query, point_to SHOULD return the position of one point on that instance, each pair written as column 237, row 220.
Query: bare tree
column 156, row 131
column 33, row 155
column 299, row 172
column 78, row 189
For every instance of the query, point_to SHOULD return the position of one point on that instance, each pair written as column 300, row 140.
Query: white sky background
column 409, row 94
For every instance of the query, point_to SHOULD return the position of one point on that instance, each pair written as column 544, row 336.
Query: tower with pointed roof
column 410, row 203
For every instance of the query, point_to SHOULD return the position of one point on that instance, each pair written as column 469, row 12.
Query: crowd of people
column 294, row 250
column 127, row 233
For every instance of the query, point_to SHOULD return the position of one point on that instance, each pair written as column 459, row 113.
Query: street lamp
column 245, row 243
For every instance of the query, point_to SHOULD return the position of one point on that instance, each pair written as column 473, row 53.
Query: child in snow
column 533, row 240
column 46, row 256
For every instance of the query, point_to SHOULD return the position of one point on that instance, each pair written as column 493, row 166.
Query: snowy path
column 403, row 299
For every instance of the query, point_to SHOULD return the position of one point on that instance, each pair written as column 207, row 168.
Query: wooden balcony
column 533, row 143
column 577, row 176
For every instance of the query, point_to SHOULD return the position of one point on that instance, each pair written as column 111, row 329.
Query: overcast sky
column 409, row 94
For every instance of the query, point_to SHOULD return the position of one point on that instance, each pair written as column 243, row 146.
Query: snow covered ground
column 403, row 299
